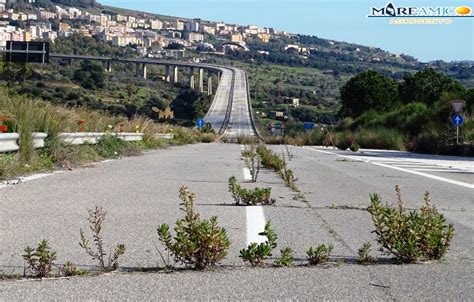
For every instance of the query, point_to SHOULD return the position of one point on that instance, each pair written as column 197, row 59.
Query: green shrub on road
column 410, row 236
column 199, row 243
column 320, row 254
column 256, row 253
column 41, row 259
column 269, row 159
column 286, row 259
column 249, row 197
column 363, row 253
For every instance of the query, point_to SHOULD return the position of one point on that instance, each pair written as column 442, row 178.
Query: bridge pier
column 167, row 73
column 137, row 70
column 144, row 71
column 209, row 86
column 108, row 66
column 201, row 80
column 192, row 78
column 175, row 74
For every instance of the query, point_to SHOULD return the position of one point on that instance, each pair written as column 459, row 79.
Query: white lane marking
column 247, row 174
column 34, row 177
column 447, row 180
column 23, row 179
column 255, row 224
column 442, row 170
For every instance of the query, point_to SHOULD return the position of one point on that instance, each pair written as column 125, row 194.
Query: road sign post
column 457, row 105
column 457, row 121
column 200, row 123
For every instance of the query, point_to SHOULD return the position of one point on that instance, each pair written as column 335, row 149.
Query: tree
column 90, row 75
column 368, row 91
column 427, row 86
column 16, row 72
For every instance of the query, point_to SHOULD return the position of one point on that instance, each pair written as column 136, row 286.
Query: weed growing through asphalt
column 40, row 260
column 410, row 236
column 256, row 253
column 289, row 153
column 250, row 197
column 363, row 253
column 320, row 254
column 288, row 176
column 198, row 243
column 252, row 160
column 286, row 258
column 69, row 270
column 96, row 220
column 270, row 160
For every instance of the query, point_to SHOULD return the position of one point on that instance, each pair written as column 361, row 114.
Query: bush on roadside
column 199, row 243
column 110, row 146
column 410, row 236
column 354, row 147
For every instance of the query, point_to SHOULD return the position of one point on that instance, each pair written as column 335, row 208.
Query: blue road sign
column 200, row 123
column 457, row 120
column 308, row 125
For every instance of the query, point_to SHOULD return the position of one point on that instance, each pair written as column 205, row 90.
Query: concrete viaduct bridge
column 230, row 113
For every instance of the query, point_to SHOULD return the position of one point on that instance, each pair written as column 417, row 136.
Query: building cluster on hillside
column 150, row 34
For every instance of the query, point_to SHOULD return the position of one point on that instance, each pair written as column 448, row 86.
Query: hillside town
column 151, row 36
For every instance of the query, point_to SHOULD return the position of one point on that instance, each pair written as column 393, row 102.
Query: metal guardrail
column 249, row 100
column 9, row 141
column 230, row 103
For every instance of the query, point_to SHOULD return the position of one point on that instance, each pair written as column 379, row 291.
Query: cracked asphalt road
column 140, row 193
